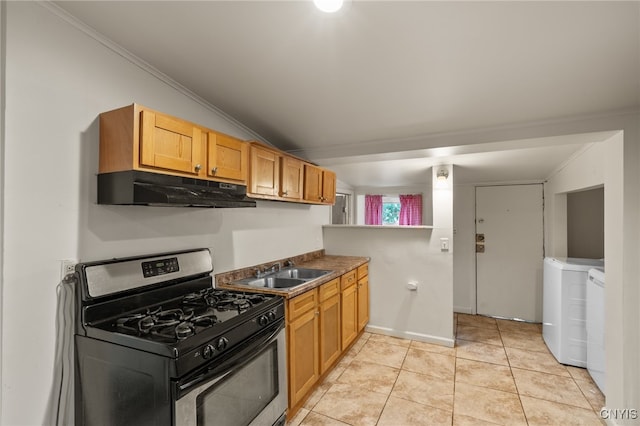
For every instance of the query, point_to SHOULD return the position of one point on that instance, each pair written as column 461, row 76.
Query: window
column 390, row 210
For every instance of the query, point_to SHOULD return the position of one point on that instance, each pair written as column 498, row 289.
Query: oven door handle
column 232, row 361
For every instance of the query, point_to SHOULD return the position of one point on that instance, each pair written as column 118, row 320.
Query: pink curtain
column 411, row 209
column 373, row 209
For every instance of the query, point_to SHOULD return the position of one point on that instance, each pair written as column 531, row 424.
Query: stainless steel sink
column 285, row 279
column 272, row 282
column 302, row 273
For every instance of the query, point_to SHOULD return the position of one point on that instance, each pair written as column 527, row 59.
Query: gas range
column 166, row 305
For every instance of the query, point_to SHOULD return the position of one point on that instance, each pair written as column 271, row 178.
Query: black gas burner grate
column 171, row 324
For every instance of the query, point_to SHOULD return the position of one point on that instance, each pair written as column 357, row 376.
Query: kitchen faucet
column 276, row 267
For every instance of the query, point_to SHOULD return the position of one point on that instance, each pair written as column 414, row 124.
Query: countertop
column 338, row 264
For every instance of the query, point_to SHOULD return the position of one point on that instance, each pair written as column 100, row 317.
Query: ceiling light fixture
column 442, row 175
column 328, row 6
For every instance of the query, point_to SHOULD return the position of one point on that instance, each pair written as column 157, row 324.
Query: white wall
column 398, row 256
column 58, row 79
column 403, row 255
column 464, row 256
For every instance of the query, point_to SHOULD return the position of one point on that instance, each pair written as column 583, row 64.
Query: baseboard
column 442, row 341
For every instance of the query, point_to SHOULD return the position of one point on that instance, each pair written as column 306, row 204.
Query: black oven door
column 246, row 387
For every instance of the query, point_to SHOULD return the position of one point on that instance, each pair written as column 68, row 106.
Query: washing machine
column 595, row 326
column 564, row 295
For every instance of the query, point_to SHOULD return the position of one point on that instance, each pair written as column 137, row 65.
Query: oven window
column 239, row 398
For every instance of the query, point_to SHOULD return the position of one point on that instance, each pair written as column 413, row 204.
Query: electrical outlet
column 67, row 266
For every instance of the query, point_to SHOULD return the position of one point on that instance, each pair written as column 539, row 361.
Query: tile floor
column 500, row 372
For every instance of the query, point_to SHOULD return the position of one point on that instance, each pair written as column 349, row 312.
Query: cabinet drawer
column 363, row 271
column 299, row 305
column 348, row 279
column 329, row 289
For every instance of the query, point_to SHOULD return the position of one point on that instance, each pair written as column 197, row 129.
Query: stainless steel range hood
column 135, row 187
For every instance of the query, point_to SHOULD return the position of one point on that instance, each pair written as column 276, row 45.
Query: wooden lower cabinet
column 317, row 323
column 349, row 316
column 363, row 296
column 330, row 342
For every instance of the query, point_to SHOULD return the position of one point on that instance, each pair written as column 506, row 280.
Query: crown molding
column 145, row 66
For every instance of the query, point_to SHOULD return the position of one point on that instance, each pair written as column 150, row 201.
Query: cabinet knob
column 214, row 170
column 317, row 313
column 197, row 167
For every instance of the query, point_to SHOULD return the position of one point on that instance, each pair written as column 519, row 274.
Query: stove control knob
column 271, row 315
column 263, row 320
column 208, row 351
column 222, row 344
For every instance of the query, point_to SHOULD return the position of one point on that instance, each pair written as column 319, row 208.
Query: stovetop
column 179, row 319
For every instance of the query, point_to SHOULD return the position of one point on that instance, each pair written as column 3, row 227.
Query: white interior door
column 509, row 251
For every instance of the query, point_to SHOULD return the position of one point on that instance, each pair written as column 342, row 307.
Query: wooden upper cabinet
column 138, row 138
column 264, row 178
column 227, row 157
column 291, row 178
column 319, row 185
column 328, row 187
column 312, row 183
column 170, row 143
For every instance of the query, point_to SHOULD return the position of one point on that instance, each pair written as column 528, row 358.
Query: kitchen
column 62, row 75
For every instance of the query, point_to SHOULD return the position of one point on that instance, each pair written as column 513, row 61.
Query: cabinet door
column 330, row 342
column 328, row 187
column 312, row 183
column 265, row 171
column 292, row 178
column 227, row 157
column 304, row 365
column 363, row 302
column 170, row 143
column 349, row 310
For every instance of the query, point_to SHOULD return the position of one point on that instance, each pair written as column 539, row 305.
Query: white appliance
column 564, row 308
column 595, row 326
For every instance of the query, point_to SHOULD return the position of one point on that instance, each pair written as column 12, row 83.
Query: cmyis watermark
column 619, row 414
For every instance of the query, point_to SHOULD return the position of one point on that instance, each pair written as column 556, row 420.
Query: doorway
column 509, row 251
column 340, row 210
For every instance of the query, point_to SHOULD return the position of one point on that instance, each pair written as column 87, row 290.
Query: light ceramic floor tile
column 432, row 347
column 402, row 412
column 430, row 363
column 359, row 344
column 335, row 374
column 297, row 419
column 382, row 353
column 315, row 419
column 529, row 341
column 367, row 375
column 316, row 395
column 549, row 387
column 488, row 405
column 578, row 373
column 537, row 361
column 481, row 352
column 460, row 420
column 519, row 326
column 423, row 389
column 485, row 374
column 351, row 405
column 476, row 321
column 591, row 391
column 390, row 340
column 490, row 336
column 541, row 413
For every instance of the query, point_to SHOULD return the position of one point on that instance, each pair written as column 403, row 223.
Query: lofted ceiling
column 390, row 74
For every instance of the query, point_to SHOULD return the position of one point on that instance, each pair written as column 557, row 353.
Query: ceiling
column 390, row 74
